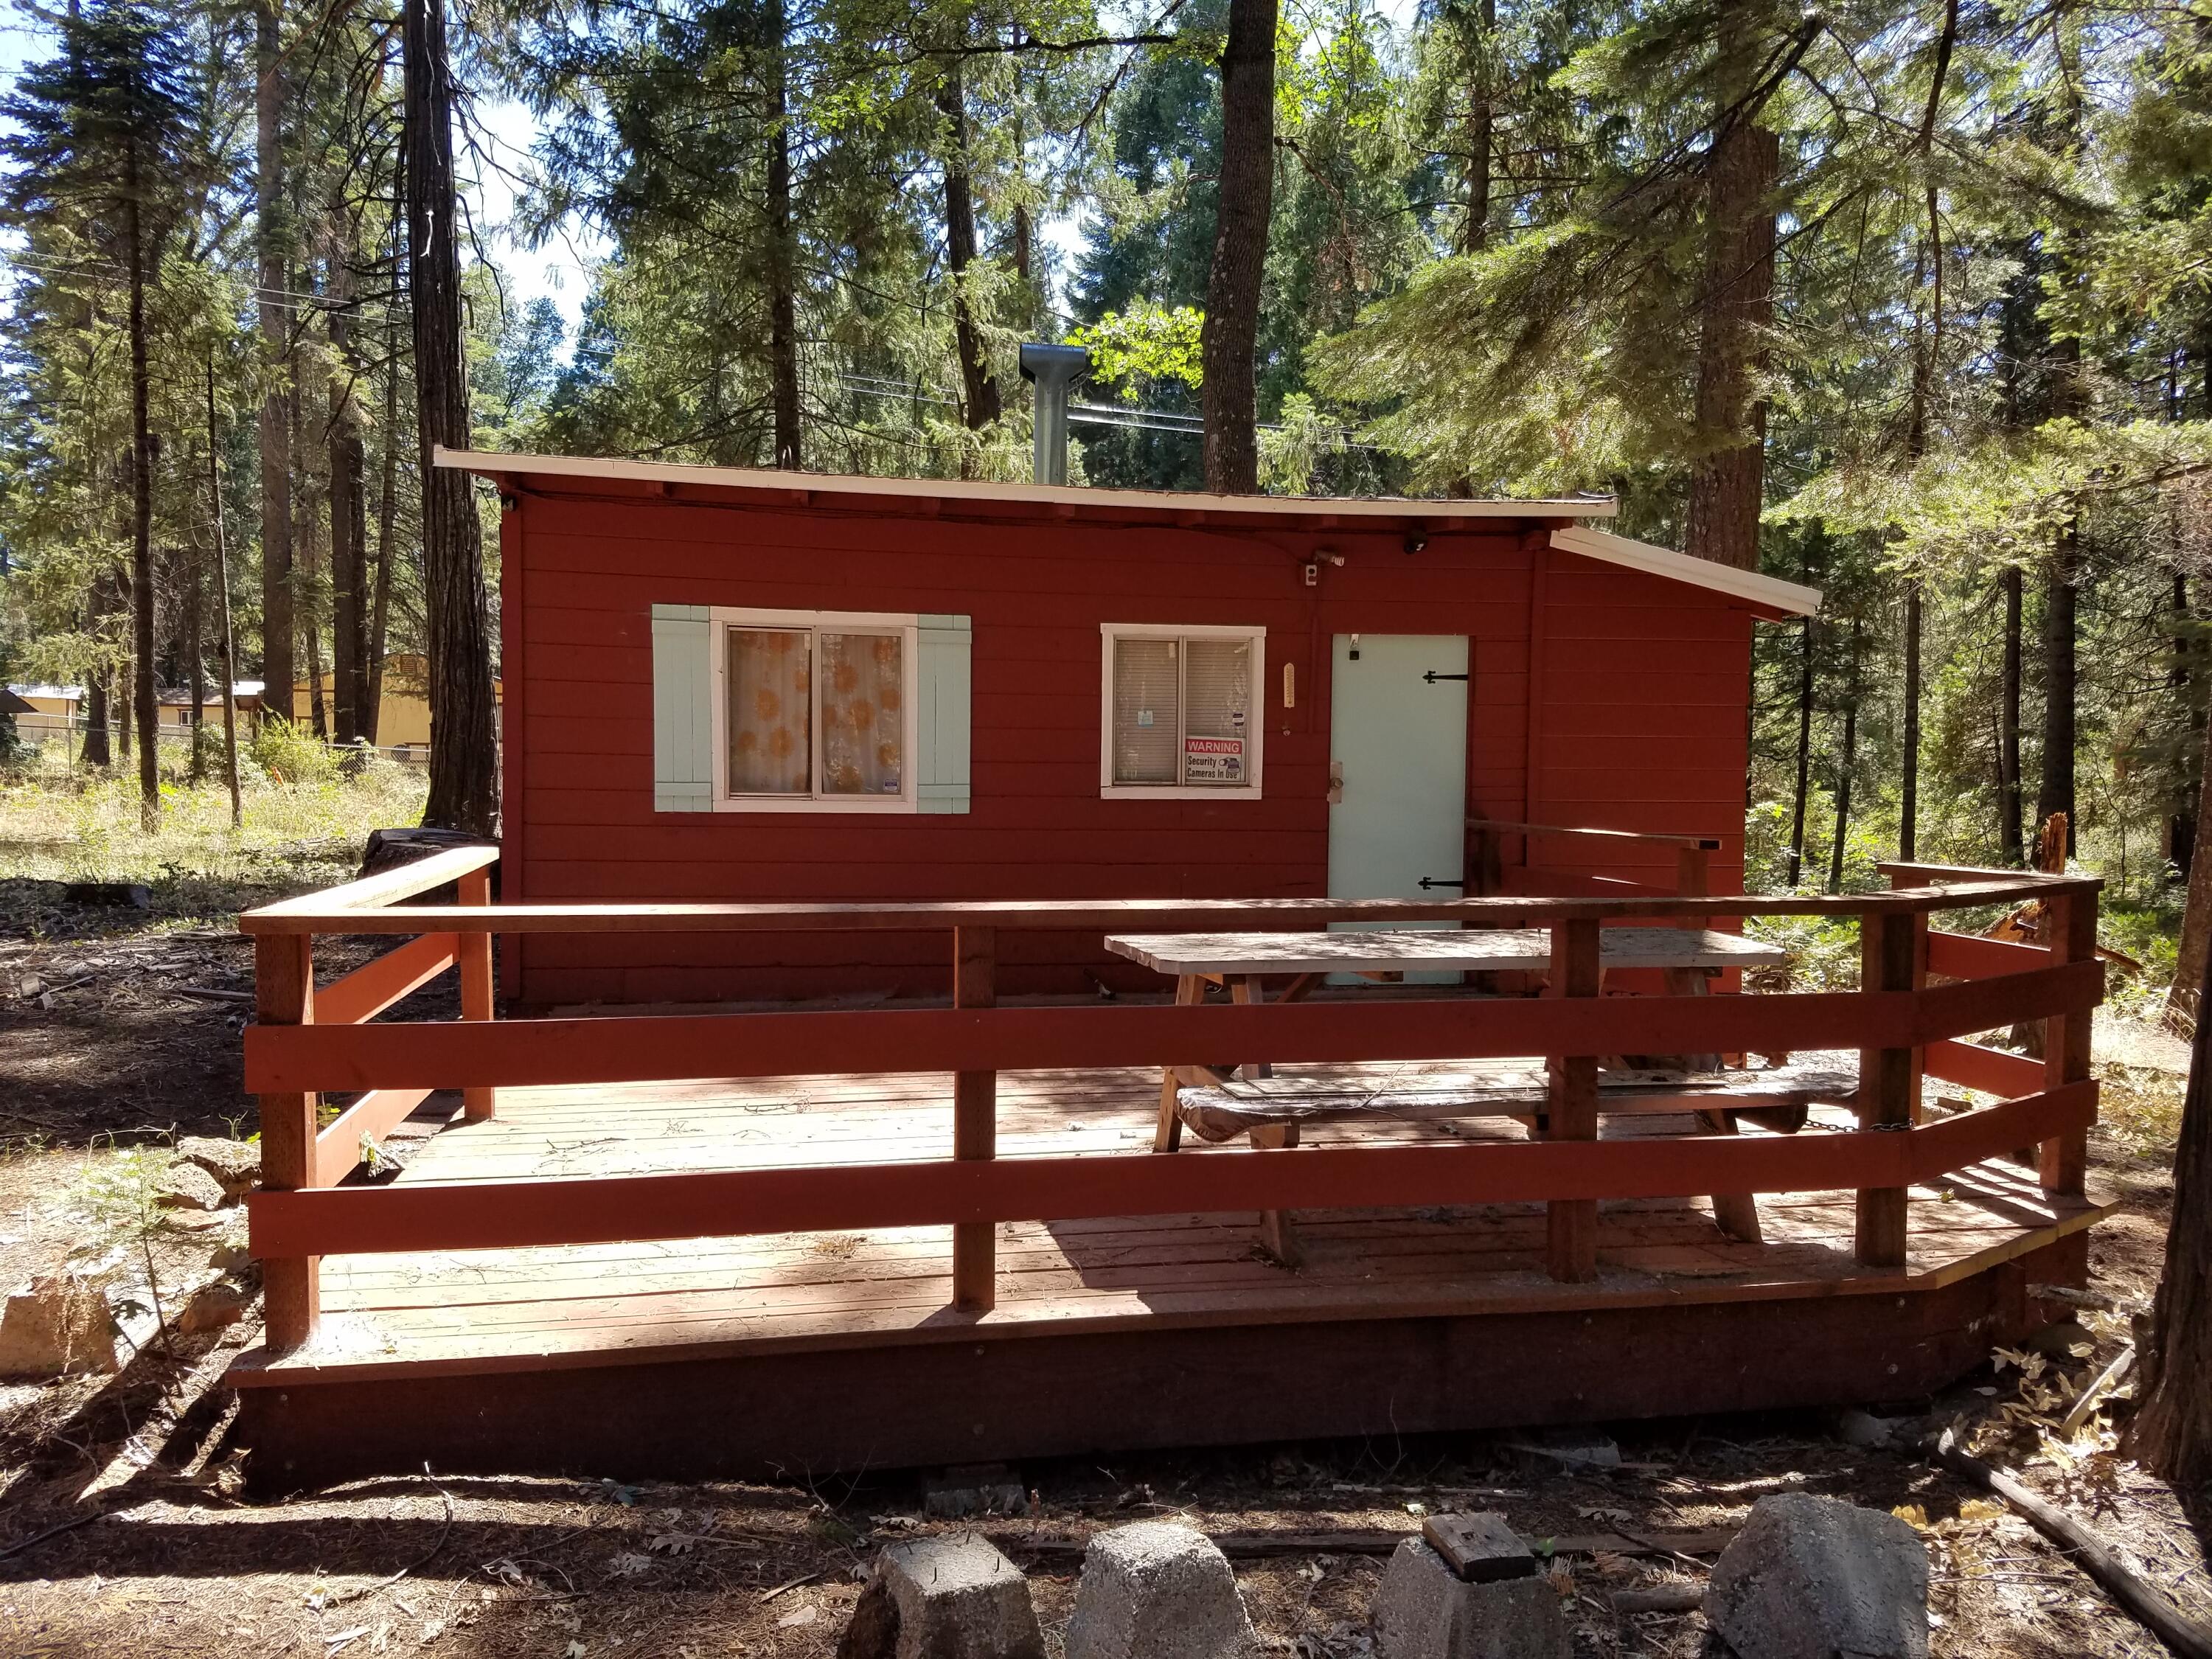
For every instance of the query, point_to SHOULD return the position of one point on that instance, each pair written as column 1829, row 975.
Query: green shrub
column 292, row 753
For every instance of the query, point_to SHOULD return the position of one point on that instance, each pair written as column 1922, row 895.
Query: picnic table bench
column 1217, row 1104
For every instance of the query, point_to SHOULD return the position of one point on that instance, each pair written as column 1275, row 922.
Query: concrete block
column 1157, row 1590
column 943, row 1598
column 57, row 1325
column 1425, row 1610
column 1811, row 1575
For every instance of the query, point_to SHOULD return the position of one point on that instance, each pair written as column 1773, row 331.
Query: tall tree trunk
column 2181, row 828
column 143, row 706
column 2172, row 1432
column 349, row 500
column 464, row 746
column 1845, row 765
column 1908, row 825
column 273, row 238
column 388, row 509
column 229, row 646
column 195, row 654
column 307, row 587
column 783, row 249
column 96, row 750
column 1229, row 341
column 2056, row 791
column 1482, row 127
column 1804, row 754
column 2012, row 837
column 1735, row 309
column 979, row 402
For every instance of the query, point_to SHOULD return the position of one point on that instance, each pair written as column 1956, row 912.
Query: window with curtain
column 815, row 709
column 1181, row 712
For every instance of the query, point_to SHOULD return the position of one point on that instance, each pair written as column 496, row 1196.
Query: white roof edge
column 852, row 483
column 1770, row 591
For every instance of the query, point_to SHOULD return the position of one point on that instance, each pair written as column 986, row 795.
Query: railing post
column 1890, row 956
column 975, row 1120
column 1571, row 1224
column 284, row 994
column 2070, row 924
column 1693, row 876
column 474, row 962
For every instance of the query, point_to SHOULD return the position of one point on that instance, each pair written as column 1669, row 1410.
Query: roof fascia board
column 1769, row 593
column 491, row 465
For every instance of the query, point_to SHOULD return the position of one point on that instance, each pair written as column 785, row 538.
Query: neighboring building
column 177, row 713
column 743, row 685
column 402, row 718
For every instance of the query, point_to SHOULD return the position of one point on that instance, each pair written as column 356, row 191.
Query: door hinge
column 1432, row 677
column 1428, row 882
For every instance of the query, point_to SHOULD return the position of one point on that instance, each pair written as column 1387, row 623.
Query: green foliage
column 1135, row 350
column 288, row 752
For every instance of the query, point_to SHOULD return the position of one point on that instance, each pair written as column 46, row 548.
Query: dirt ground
column 125, row 1528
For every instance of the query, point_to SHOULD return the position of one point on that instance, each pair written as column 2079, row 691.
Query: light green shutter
column 682, row 709
column 942, row 773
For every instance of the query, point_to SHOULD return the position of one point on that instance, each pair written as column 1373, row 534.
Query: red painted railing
column 310, row 1041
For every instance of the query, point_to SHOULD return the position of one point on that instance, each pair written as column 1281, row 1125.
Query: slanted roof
column 1072, row 500
column 1764, row 594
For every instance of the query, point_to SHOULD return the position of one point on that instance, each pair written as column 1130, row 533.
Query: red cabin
column 739, row 685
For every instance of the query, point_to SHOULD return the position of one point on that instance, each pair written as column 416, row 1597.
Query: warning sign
column 1213, row 760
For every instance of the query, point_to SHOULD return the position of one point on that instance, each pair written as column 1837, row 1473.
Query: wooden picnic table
column 1240, row 963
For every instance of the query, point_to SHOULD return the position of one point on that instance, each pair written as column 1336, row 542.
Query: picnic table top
column 1470, row 950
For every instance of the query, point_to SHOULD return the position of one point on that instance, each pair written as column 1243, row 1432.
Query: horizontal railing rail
column 310, row 1042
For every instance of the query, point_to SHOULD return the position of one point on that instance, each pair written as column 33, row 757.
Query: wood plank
column 2063, row 1159
column 1890, row 952
column 1467, row 950
column 634, row 1048
column 473, row 957
column 1974, row 1065
column 385, row 888
column 312, row 913
column 975, row 1119
column 464, row 1215
column 1571, row 1224
column 1966, row 956
column 374, row 986
column 284, row 994
column 375, row 1115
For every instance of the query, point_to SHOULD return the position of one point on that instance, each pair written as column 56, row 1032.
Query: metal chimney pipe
column 1054, row 369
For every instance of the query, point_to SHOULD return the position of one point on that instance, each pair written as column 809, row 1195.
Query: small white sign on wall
column 1213, row 760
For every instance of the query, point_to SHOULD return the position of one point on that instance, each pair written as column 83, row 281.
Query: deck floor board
column 479, row 1310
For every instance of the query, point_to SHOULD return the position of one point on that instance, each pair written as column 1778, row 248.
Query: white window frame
column 908, row 626
column 1248, row 790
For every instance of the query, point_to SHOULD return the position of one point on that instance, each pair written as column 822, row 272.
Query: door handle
column 1335, row 782
column 1428, row 882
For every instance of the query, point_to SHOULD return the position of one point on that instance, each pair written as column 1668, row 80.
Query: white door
column 1397, row 816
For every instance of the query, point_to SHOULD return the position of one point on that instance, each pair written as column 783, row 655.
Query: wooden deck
column 641, row 1310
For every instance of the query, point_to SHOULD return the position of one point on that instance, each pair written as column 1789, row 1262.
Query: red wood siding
column 581, row 575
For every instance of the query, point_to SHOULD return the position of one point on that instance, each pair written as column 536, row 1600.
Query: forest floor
column 125, row 1524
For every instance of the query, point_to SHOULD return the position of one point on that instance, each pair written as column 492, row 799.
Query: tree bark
column 306, row 616
column 2056, row 791
column 272, row 238
column 783, row 250
column 2012, row 836
column 194, row 647
column 1482, row 127
column 1804, row 754
column 1908, row 826
column 387, row 508
column 143, row 705
column 229, row 644
column 464, row 748
column 980, row 402
column 96, row 750
column 2172, row 1432
column 1845, row 765
column 348, row 462
column 1735, row 311
column 2181, row 828
column 1229, row 341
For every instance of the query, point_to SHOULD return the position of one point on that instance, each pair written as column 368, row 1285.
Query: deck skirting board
column 779, row 1414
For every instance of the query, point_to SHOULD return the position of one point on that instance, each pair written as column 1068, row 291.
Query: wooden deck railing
column 308, row 1042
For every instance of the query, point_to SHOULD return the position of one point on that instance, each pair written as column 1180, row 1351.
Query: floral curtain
column 863, row 714
column 771, row 748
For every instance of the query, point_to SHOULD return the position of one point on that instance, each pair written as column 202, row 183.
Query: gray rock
column 1860, row 1428
column 188, row 1187
column 236, row 1164
column 943, row 1598
column 57, row 1325
column 1157, row 1590
column 1425, row 1611
column 1809, row 1577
